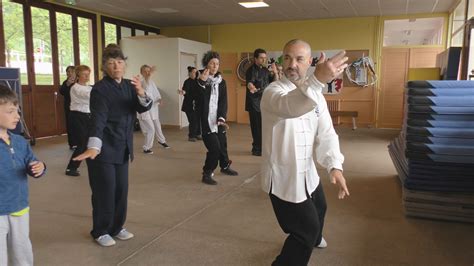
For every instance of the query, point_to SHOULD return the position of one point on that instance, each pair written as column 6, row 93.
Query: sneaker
column 147, row 151
column 228, row 170
column 199, row 138
column 105, row 240
column 192, row 139
column 164, row 145
column 72, row 172
column 256, row 153
column 207, row 179
column 124, row 235
column 322, row 244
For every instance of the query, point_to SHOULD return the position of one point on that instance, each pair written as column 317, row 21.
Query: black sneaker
column 192, row 139
column 147, row 151
column 256, row 153
column 207, row 179
column 72, row 172
column 164, row 145
column 229, row 171
column 199, row 138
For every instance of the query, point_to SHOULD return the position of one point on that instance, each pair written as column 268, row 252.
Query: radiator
column 334, row 106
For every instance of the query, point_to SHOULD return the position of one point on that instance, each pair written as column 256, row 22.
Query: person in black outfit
column 65, row 91
column 114, row 102
column 212, row 108
column 79, row 116
column 188, row 91
column 257, row 78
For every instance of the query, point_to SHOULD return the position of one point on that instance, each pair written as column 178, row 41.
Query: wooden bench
column 352, row 114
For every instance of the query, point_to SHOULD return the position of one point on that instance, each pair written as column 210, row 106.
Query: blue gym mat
column 440, row 84
column 439, row 140
column 440, row 92
column 442, row 123
column 447, row 101
column 439, row 110
column 467, row 133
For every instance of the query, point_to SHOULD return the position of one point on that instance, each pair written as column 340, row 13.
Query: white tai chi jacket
column 153, row 93
column 296, row 127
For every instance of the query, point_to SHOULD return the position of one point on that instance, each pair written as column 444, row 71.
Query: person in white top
column 79, row 115
column 150, row 120
column 297, row 129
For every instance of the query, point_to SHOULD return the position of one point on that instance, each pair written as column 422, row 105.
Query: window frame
column 122, row 23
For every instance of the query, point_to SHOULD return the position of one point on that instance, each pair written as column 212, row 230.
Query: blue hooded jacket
column 14, row 161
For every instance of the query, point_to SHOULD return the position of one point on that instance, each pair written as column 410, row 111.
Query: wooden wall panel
column 228, row 67
column 394, row 74
column 27, row 112
column 424, row 57
column 44, row 113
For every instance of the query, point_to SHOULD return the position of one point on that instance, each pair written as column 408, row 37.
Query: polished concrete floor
column 177, row 220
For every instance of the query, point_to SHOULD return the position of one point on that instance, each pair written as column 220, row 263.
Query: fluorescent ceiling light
column 164, row 10
column 253, row 4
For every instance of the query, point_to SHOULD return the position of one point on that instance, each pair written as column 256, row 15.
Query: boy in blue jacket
column 16, row 161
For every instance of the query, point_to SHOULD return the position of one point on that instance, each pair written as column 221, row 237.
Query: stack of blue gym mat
column 434, row 154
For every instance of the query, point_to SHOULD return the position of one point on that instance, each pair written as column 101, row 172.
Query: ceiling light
column 164, row 10
column 253, row 4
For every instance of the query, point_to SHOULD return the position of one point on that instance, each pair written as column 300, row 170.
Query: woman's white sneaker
column 105, row 240
column 124, row 235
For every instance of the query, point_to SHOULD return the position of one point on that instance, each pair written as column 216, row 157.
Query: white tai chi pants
column 15, row 244
column 149, row 128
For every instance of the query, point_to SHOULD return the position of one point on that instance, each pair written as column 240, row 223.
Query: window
column 125, row 32
column 110, row 33
column 459, row 18
column 42, row 51
column 419, row 31
column 86, row 44
column 65, row 43
column 14, row 32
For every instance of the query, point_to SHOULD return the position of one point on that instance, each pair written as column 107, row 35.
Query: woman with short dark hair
column 212, row 107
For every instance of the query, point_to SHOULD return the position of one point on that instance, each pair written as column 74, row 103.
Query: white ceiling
column 208, row 12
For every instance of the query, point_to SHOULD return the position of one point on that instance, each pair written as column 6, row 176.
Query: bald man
column 296, row 125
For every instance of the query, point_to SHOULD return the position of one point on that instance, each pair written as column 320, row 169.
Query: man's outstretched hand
column 338, row 179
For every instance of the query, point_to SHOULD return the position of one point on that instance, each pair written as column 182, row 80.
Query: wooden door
column 395, row 62
column 228, row 66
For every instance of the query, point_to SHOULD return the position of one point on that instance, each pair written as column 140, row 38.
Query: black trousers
column 304, row 223
column 109, row 185
column 80, row 125
column 194, row 124
column 216, row 144
column 256, row 127
column 70, row 134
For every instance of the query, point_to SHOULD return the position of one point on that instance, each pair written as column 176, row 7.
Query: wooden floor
column 179, row 221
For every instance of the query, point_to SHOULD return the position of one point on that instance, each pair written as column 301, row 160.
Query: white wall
column 164, row 54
